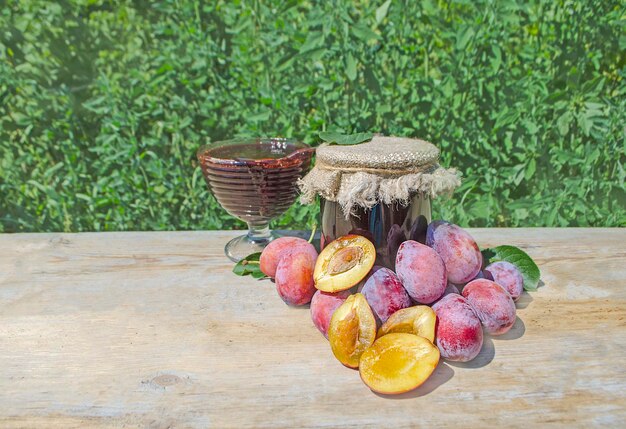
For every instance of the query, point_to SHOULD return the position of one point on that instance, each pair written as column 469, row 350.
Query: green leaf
column 530, row 169
column 518, row 174
column 381, row 12
column 496, row 60
column 342, row 139
column 351, row 67
column 285, row 62
column 313, row 41
column 463, row 37
column 519, row 258
column 313, row 54
column 260, row 116
column 257, row 274
column 562, row 124
column 363, row 32
column 507, row 117
column 249, row 266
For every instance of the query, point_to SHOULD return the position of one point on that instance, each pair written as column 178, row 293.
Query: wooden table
column 153, row 330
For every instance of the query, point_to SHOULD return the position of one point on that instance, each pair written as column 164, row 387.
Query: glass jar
column 381, row 189
column 385, row 225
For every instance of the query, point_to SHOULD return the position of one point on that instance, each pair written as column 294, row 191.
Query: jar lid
column 383, row 170
column 389, row 155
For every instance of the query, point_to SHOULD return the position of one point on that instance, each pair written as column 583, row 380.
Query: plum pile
column 395, row 326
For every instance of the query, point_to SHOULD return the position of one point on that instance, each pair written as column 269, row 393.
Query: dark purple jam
column 255, row 180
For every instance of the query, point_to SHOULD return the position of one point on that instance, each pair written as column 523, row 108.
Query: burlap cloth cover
column 385, row 169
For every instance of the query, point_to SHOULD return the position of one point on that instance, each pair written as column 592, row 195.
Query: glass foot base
column 240, row 247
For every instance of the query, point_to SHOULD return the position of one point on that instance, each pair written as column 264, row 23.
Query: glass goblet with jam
column 254, row 180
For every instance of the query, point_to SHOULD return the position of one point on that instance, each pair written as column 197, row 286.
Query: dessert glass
column 254, row 180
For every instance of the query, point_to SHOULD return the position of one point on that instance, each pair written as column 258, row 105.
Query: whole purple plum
column 506, row 275
column 384, row 293
column 421, row 271
column 493, row 305
column 458, row 250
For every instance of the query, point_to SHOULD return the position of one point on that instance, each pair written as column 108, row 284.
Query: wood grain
column 153, row 330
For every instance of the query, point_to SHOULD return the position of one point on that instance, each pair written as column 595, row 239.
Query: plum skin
column 450, row 289
column 270, row 257
column 506, row 275
column 323, row 305
column 421, row 271
column 384, row 293
column 493, row 305
column 459, row 334
column 457, row 248
column 294, row 275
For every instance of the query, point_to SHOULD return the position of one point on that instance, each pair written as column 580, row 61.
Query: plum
column 450, row 289
column 343, row 263
column 458, row 250
column 459, row 334
column 419, row 320
column 421, row 271
column 323, row 305
column 397, row 363
column 294, row 274
column 506, row 275
column 418, row 229
column 384, row 293
column 271, row 254
column 479, row 275
column 352, row 329
column 493, row 305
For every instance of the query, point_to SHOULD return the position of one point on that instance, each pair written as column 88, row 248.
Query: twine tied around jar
column 384, row 170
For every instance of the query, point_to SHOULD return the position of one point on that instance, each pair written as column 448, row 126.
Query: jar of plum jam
column 381, row 189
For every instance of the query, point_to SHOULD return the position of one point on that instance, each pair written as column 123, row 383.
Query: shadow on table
column 517, row 331
column 524, row 300
column 443, row 373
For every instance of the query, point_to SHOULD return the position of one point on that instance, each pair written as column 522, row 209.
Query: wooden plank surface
column 153, row 330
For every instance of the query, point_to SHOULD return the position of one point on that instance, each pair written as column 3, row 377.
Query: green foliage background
column 104, row 103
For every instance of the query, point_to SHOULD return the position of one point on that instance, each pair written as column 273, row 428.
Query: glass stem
column 259, row 232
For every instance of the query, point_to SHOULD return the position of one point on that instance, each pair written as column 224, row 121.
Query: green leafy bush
column 104, row 103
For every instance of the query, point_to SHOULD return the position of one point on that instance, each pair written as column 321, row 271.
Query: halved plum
column 352, row 330
column 398, row 362
column 343, row 263
column 419, row 320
